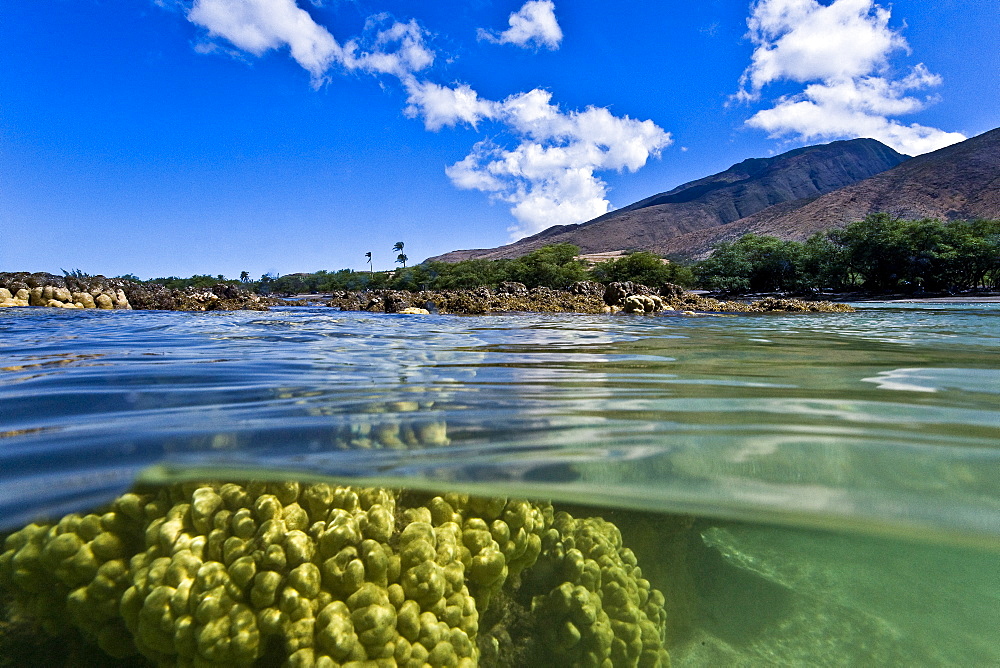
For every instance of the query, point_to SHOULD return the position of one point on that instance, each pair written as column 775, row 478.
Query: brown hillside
column 961, row 181
column 752, row 186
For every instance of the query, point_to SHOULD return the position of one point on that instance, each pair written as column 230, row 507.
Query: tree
column 823, row 265
column 468, row 274
column 641, row 267
column 754, row 263
column 244, row 276
column 401, row 258
column 552, row 266
column 876, row 249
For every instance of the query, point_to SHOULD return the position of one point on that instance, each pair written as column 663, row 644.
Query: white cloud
column 398, row 50
column 258, row 26
column 442, row 106
column 841, row 51
column 534, row 25
column 812, row 121
column 549, row 177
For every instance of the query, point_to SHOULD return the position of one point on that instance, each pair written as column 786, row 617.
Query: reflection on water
column 844, row 467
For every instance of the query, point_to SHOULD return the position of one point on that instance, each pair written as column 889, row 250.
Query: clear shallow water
column 845, row 468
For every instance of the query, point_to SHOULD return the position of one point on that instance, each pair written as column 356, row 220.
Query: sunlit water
column 844, row 469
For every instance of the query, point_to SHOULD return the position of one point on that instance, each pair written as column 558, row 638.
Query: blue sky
column 218, row 136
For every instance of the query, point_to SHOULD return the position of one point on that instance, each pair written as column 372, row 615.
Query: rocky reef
column 56, row 292
column 319, row 575
column 581, row 297
column 40, row 289
column 23, row 289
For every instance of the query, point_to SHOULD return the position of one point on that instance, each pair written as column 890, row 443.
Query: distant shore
column 985, row 299
column 23, row 289
column 581, row 297
column 896, row 298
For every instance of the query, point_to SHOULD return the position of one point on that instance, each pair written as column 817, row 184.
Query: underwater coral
column 319, row 575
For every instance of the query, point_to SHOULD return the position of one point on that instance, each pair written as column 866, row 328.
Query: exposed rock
column 644, row 304
column 671, row 291
column 588, row 288
column 48, row 290
column 7, row 299
column 84, row 298
column 512, row 288
column 396, row 302
column 388, row 301
column 617, row 292
column 547, row 300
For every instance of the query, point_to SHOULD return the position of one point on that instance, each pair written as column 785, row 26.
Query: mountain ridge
column 958, row 182
column 743, row 189
column 792, row 196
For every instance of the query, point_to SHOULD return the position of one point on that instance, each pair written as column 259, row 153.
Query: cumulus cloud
column 399, row 49
column 442, row 106
column 534, row 25
column 542, row 161
column 258, row 26
column 841, row 52
column 549, row 177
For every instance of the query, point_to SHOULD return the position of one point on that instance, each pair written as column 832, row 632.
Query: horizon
column 269, row 136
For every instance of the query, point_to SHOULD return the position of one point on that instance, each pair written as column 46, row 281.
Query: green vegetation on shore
column 879, row 254
column 555, row 266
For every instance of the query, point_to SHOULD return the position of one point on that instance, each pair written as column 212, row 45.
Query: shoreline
column 581, row 297
column 47, row 290
column 994, row 299
column 986, row 299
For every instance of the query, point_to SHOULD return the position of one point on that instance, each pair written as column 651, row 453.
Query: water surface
column 844, row 468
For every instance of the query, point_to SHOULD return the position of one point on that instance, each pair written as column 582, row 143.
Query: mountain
column 958, row 182
column 745, row 189
column 791, row 196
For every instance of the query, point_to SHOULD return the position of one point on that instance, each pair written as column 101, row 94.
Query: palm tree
column 244, row 276
column 398, row 248
column 369, row 256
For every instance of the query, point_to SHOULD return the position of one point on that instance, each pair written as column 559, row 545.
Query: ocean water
column 806, row 489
